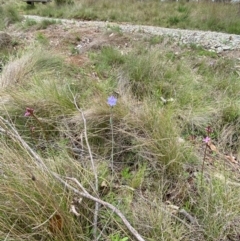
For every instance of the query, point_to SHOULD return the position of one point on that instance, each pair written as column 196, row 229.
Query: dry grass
column 18, row 70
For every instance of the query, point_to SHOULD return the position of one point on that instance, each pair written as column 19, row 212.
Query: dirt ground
column 75, row 41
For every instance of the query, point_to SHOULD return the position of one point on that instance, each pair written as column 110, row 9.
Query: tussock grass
column 31, row 199
column 227, row 203
column 17, row 70
column 146, row 141
column 9, row 14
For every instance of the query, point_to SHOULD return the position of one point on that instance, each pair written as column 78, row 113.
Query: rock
column 219, row 50
column 5, row 39
column 225, row 48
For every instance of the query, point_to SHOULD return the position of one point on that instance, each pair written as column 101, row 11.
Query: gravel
column 213, row 41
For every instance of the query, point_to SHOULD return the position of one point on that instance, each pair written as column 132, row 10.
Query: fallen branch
column 95, row 218
column 85, row 194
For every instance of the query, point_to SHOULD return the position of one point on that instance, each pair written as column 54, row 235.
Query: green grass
column 167, row 94
column 38, row 25
column 9, row 15
column 192, row 15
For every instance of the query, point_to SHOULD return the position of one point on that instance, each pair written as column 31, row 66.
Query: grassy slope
column 193, row 15
column 156, row 147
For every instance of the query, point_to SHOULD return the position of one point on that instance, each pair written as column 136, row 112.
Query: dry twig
column 188, row 216
column 85, row 194
column 95, row 221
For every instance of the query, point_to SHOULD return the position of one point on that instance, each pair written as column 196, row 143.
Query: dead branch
column 95, row 219
column 74, row 211
column 85, row 194
column 188, row 216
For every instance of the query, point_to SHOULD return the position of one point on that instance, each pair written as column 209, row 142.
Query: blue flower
column 112, row 101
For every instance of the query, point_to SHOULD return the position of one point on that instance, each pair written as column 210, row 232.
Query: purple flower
column 207, row 139
column 112, row 101
column 29, row 112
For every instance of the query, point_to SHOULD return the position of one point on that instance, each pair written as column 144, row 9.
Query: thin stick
column 188, row 216
column 203, row 162
column 16, row 136
column 105, row 226
column 95, row 218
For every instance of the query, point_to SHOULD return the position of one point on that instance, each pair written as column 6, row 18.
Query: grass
column 39, row 25
column 167, row 94
column 192, row 15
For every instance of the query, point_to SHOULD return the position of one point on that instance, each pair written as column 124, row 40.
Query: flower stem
column 203, row 162
column 111, row 125
column 41, row 125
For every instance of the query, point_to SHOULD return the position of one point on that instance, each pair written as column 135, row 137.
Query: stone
column 225, row 48
column 219, row 50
